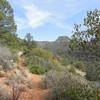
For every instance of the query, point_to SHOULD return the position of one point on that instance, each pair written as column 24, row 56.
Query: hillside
column 56, row 46
column 64, row 69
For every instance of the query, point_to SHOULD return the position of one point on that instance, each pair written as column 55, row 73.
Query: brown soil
column 37, row 93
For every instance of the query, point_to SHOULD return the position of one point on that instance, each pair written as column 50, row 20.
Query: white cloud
column 36, row 17
column 33, row 16
column 69, row 9
column 39, row 12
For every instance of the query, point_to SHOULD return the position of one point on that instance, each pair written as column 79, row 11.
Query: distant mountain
column 58, row 47
column 63, row 39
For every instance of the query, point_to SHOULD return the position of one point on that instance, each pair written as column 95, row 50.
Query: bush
column 4, row 95
column 93, row 71
column 66, row 61
column 36, row 69
column 42, row 53
column 80, row 65
column 41, row 58
column 35, row 60
column 72, row 69
column 60, row 68
column 66, row 86
column 5, row 57
column 19, row 76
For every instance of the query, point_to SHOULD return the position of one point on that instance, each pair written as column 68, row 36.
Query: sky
column 46, row 20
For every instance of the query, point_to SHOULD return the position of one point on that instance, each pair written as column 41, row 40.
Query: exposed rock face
column 58, row 47
column 62, row 39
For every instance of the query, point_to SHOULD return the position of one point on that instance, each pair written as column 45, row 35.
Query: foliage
column 41, row 57
column 92, row 30
column 93, row 71
column 66, row 86
column 5, row 57
column 72, row 69
column 85, row 43
column 80, row 65
column 29, row 42
column 42, row 53
column 12, row 42
column 8, row 27
column 6, row 18
column 36, row 69
column 60, row 68
column 29, row 37
column 66, row 61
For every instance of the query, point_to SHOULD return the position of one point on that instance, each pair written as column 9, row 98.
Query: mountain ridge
column 56, row 46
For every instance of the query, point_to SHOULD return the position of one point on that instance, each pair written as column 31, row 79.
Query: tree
column 7, row 24
column 29, row 43
column 86, row 38
column 93, row 71
column 85, row 44
column 29, row 37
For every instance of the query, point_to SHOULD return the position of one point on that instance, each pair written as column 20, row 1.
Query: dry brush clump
column 16, row 92
column 5, row 57
column 20, row 76
column 17, row 82
column 66, row 86
column 11, row 93
column 4, row 94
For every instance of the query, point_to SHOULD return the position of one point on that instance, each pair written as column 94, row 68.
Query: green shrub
column 66, row 61
column 35, row 60
column 40, row 57
column 93, row 71
column 80, row 65
column 66, row 86
column 72, row 70
column 36, row 69
column 42, row 53
column 60, row 68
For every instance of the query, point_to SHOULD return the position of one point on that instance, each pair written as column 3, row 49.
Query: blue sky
column 46, row 20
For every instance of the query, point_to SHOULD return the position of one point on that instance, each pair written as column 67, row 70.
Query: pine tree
column 7, row 24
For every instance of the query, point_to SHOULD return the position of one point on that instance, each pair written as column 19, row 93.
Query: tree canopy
column 86, row 37
column 7, row 24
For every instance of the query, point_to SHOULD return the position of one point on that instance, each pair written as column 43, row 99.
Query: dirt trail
column 37, row 93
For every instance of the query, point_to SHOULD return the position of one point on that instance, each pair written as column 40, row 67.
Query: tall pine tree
column 7, row 24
